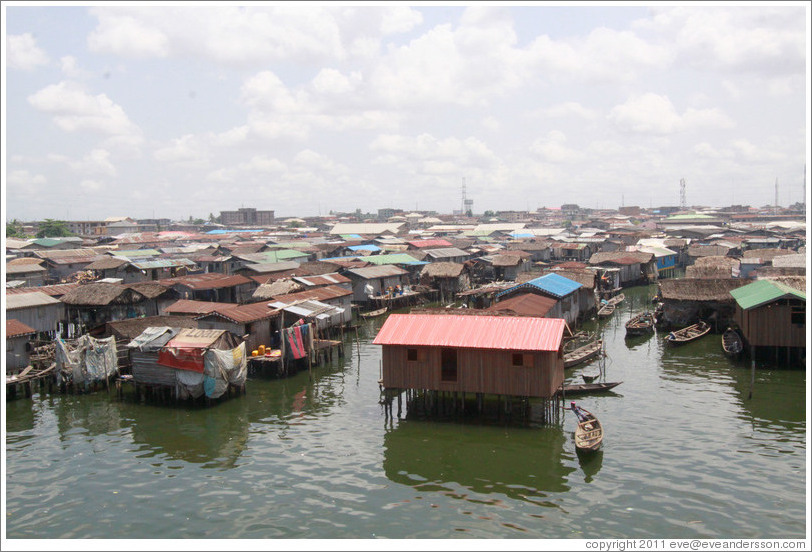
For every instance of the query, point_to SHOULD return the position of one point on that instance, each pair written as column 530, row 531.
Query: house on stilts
column 441, row 361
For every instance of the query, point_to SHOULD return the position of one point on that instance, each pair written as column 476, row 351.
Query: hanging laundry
column 295, row 343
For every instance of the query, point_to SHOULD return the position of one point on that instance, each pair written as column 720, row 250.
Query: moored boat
column 606, row 310
column 732, row 343
column 586, row 388
column 641, row 324
column 688, row 334
column 589, row 432
column 373, row 313
column 584, row 353
column 616, row 299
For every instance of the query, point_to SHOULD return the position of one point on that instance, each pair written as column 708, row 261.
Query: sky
column 172, row 110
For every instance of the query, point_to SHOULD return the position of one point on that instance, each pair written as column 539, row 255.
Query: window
column 411, row 355
column 798, row 315
column 448, row 365
column 518, row 359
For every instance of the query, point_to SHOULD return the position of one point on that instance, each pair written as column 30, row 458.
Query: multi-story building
column 246, row 216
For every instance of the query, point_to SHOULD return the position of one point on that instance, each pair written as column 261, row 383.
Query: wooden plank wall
column 770, row 325
column 478, row 371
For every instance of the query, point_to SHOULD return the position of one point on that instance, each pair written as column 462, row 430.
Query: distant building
column 630, row 211
column 246, row 216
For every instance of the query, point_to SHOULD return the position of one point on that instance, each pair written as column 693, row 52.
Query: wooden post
column 752, row 371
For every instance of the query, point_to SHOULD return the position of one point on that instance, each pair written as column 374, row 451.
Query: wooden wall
column 771, row 325
column 478, row 371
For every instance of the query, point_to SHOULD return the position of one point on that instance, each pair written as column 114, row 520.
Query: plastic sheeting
column 152, row 339
column 224, row 367
column 88, row 360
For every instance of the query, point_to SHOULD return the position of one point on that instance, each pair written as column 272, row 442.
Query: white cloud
column 91, row 185
column 188, row 150
column 23, row 52
column 70, row 67
column 655, row 114
column 74, row 110
column 22, row 178
column 552, row 148
column 569, row 109
column 95, row 162
column 761, row 39
column 332, row 81
column 429, row 155
column 400, row 19
column 127, row 35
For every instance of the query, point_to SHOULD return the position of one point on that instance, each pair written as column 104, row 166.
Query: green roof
column 690, row 216
column 393, row 258
column 47, row 242
column 761, row 292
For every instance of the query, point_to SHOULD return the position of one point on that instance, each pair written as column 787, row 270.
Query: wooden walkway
column 29, row 378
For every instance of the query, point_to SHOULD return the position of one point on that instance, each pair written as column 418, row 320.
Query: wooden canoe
column 641, row 324
column 587, row 388
column 732, row 343
column 582, row 354
column 688, row 334
column 606, row 310
column 616, row 300
column 373, row 313
column 589, row 433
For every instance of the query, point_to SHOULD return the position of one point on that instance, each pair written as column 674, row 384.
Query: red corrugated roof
column 420, row 244
column 14, row 328
column 212, row 280
column 513, row 333
column 189, row 306
column 244, row 313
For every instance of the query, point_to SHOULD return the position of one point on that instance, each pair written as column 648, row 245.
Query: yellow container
column 261, row 350
column 254, row 353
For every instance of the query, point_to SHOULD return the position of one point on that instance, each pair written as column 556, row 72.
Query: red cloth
column 182, row 358
column 295, row 341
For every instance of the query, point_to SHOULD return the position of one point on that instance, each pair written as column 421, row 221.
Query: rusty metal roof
column 56, row 290
column 189, row 306
column 243, row 314
column 526, row 304
column 15, row 328
column 26, row 300
column 472, row 332
column 323, row 279
column 212, row 280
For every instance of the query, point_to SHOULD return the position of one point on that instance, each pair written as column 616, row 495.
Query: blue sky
column 176, row 110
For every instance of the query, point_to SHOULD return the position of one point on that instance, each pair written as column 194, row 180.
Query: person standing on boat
column 578, row 412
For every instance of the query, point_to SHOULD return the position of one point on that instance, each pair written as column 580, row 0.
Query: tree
column 51, row 228
column 14, row 229
column 489, row 213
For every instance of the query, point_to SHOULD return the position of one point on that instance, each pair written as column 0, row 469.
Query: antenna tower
column 462, row 203
column 776, row 194
column 683, row 204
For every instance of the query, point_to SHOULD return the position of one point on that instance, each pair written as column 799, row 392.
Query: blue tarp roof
column 552, row 284
column 369, row 247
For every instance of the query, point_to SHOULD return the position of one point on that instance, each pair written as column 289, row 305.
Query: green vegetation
column 14, row 229
column 51, row 228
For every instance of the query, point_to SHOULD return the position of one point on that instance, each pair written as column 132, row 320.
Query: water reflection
column 483, row 460
column 215, row 437
column 590, row 463
column 92, row 414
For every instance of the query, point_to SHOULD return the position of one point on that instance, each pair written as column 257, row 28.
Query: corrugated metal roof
column 311, row 309
column 15, row 328
column 212, row 280
column 319, row 294
column 56, row 290
column 446, row 252
column 393, row 259
column 383, row 271
column 762, row 292
column 511, row 333
column 367, row 247
column 430, row 243
column 26, row 300
column 161, row 263
column 190, row 306
column 323, row 279
column 526, row 304
column 242, row 314
column 24, row 268
column 554, row 284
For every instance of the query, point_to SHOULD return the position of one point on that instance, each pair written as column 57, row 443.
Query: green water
column 686, row 454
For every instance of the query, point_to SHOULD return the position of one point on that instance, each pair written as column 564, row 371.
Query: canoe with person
column 688, row 334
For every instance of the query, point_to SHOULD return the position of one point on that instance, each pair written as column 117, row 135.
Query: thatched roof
column 442, row 270
column 717, row 261
column 150, row 290
column 708, row 272
column 275, row 289
column 796, row 282
column 767, row 254
column 695, row 289
column 506, row 260
column 101, row 294
column 620, row 257
column 707, row 250
column 584, row 277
